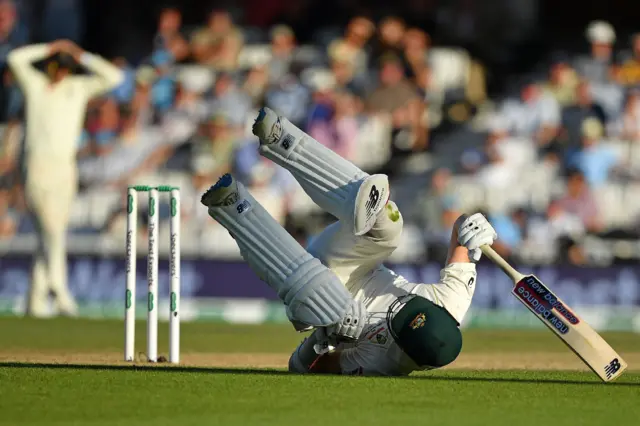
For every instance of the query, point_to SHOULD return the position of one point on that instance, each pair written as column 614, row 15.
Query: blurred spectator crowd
column 554, row 162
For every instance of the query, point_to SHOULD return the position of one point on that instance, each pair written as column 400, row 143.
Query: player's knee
column 314, row 295
column 388, row 227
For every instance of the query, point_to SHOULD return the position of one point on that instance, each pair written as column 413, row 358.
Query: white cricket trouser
column 354, row 259
column 49, row 195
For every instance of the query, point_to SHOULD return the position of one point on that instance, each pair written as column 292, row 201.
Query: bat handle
column 501, row 263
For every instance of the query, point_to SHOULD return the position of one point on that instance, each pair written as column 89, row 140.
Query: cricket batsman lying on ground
column 367, row 319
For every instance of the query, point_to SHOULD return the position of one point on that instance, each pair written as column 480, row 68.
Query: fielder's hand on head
column 474, row 232
column 352, row 323
column 66, row 46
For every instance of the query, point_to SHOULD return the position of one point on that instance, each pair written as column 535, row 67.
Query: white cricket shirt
column 55, row 113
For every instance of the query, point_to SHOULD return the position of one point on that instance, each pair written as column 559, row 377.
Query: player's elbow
column 13, row 60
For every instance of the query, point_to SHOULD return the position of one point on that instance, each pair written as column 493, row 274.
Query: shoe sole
column 209, row 196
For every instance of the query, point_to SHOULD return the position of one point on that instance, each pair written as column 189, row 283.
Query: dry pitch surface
column 67, row 372
column 269, row 346
column 529, row 361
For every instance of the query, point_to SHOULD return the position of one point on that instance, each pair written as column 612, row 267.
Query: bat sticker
column 540, row 307
column 533, row 285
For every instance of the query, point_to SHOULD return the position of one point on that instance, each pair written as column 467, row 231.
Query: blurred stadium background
column 527, row 110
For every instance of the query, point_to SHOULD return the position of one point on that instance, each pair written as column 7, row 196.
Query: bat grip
column 501, row 263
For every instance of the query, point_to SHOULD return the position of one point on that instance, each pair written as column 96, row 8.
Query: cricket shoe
column 278, row 137
column 227, row 194
column 268, row 126
column 227, row 201
column 224, row 192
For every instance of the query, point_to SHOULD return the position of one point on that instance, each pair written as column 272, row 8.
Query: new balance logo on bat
column 612, row 368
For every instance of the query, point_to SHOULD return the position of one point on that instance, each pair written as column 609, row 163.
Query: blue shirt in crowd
column 595, row 163
column 507, row 229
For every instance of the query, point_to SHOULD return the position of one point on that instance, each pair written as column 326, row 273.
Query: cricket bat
column 562, row 320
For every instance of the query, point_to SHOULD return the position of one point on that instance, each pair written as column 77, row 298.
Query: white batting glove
column 352, row 323
column 474, row 232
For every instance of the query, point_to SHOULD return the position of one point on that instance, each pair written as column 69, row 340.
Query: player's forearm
column 110, row 75
column 21, row 59
column 457, row 253
column 28, row 54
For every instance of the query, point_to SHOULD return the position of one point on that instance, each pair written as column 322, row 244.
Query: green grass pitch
column 69, row 372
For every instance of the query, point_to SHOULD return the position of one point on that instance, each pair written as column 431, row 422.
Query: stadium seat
column 632, row 202
column 634, row 158
column 253, row 35
column 470, row 194
column 197, row 77
column 374, row 143
column 450, row 67
column 540, row 184
column 310, row 55
column 216, row 241
column 610, row 200
column 621, row 148
column 324, row 36
column 405, row 188
column 316, row 77
column 300, row 204
column 497, row 200
column 411, row 248
column 93, row 208
column 254, row 55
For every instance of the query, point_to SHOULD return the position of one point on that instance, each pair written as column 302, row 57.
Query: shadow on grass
column 150, row 367
column 275, row 372
column 530, row 381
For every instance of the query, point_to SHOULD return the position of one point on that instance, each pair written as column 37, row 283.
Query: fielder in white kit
column 56, row 103
column 367, row 319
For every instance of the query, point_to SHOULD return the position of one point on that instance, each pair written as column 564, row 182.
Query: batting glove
column 352, row 323
column 324, row 343
column 474, row 232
